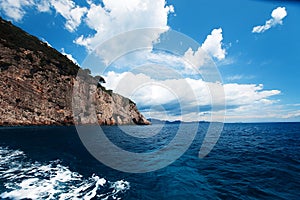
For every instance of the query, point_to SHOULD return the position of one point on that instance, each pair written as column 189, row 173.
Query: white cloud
column 69, row 56
column 278, row 15
column 213, row 44
column 196, row 58
column 239, row 77
column 70, row 11
column 259, row 112
column 155, row 64
column 203, row 58
column 293, row 114
column 43, row 5
column 43, row 39
column 191, row 94
column 145, row 90
column 115, row 17
column 247, row 94
column 15, row 9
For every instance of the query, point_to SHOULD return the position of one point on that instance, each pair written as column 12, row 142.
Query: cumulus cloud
column 193, row 95
column 213, row 44
column 70, row 11
column 114, row 17
column 212, row 47
column 278, row 15
column 15, row 9
column 69, row 56
column 247, row 94
column 196, row 58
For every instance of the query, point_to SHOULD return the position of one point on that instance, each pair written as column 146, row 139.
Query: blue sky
column 255, row 46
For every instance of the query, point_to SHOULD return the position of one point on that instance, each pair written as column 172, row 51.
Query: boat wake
column 23, row 179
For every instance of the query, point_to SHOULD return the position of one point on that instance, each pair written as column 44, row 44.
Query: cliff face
column 37, row 82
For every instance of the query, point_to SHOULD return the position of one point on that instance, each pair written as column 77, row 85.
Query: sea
column 249, row 161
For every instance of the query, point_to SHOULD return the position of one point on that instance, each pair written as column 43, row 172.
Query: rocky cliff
column 37, row 83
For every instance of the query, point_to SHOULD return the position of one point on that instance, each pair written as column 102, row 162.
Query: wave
column 23, row 179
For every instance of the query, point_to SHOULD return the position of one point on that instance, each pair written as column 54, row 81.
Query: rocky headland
column 37, row 83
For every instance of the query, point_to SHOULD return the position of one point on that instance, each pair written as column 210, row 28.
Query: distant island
column 36, row 86
column 158, row 121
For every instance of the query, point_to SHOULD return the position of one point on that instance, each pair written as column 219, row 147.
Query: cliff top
column 15, row 38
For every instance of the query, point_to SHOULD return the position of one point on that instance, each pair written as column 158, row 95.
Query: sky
column 215, row 60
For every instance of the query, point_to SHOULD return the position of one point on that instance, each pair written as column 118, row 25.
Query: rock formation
column 37, row 82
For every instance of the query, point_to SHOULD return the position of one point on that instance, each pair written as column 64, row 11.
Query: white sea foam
column 33, row 180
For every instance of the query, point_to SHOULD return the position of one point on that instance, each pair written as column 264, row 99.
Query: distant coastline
column 158, row 121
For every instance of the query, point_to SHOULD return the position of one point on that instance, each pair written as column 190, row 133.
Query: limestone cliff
column 36, row 87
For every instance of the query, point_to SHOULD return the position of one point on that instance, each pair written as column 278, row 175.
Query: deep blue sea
column 249, row 161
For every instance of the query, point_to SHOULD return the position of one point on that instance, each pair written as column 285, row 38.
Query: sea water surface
column 249, row 161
